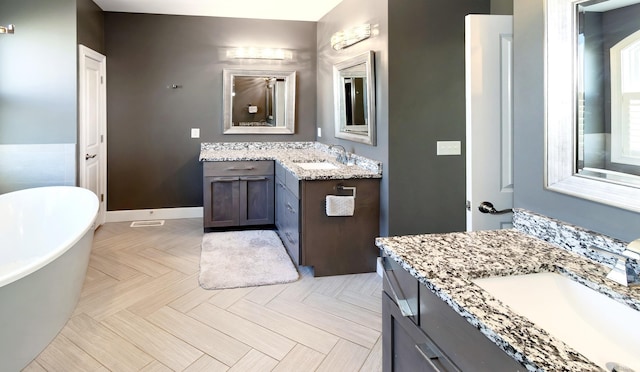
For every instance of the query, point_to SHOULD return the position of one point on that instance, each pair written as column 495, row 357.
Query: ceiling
column 297, row 10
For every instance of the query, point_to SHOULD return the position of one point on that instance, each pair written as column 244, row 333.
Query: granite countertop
column 288, row 154
column 447, row 264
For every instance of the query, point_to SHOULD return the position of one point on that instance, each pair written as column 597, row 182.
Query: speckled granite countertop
column 288, row 154
column 447, row 264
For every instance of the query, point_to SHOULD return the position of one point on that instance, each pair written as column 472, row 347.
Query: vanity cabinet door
column 222, row 201
column 256, row 200
column 238, row 193
column 405, row 347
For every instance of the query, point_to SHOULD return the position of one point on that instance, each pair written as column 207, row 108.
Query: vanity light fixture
column 259, row 53
column 346, row 38
column 9, row 29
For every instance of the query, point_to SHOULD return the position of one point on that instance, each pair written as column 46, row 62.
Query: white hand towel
column 340, row 205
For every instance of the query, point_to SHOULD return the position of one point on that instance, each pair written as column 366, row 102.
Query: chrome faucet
column 342, row 157
column 623, row 271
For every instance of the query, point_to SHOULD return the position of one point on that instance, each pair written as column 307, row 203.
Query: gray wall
column 90, row 25
column 153, row 162
column 38, row 72
column 427, row 104
column 529, row 137
column 347, row 14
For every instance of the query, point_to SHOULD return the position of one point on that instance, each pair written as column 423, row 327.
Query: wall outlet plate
column 319, row 132
column 449, row 148
column 195, row 132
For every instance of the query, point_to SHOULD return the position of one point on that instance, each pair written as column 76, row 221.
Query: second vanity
column 286, row 183
column 436, row 317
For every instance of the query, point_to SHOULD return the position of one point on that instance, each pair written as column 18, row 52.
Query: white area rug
column 235, row 259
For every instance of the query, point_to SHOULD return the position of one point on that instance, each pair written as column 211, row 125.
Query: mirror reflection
column 258, row 101
column 354, row 99
column 608, row 90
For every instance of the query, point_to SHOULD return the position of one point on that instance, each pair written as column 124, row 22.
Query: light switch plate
column 449, row 148
column 195, row 132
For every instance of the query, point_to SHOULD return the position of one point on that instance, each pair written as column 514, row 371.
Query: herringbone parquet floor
column 142, row 310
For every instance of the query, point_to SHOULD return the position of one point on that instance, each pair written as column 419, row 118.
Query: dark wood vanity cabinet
column 431, row 336
column 287, row 216
column 339, row 245
column 332, row 245
column 238, row 193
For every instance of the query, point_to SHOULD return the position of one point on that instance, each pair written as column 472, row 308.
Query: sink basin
column 600, row 328
column 316, row 165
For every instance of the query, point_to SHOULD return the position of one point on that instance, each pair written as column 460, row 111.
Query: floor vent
column 147, row 223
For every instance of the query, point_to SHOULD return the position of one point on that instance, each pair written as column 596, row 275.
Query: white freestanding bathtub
column 46, row 236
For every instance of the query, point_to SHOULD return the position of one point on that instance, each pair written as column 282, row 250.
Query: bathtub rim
column 24, row 270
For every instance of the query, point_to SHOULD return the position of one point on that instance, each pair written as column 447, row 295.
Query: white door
column 489, row 141
column 92, row 115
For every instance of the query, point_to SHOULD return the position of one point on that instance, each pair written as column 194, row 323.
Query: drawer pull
column 402, row 303
column 240, row 168
column 290, row 208
column 253, row 178
column 289, row 238
column 428, row 354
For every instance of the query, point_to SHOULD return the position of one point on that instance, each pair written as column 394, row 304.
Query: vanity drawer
column 400, row 285
column 463, row 343
column 238, row 168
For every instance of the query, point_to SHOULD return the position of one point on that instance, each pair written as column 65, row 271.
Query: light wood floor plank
column 192, row 299
column 345, row 310
column 139, row 263
column 211, row 341
column 300, row 359
column 332, row 285
column 163, row 346
column 345, row 357
column 263, row 294
column 146, row 291
column 314, row 338
column 367, row 301
column 258, row 337
column 207, row 364
column 254, row 361
column 63, row 354
column 101, row 343
column 177, row 263
column 98, row 301
column 228, row 297
column 374, row 359
column 156, row 366
column 34, row 367
column 357, row 333
column 169, row 292
column 96, row 281
column 111, row 267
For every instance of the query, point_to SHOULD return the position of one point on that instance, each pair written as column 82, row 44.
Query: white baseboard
column 153, row 214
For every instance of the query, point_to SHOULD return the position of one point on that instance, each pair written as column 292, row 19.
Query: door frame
column 83, row 53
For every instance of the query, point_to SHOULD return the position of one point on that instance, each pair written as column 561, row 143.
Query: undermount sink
column 316, row 165
column 600, row 328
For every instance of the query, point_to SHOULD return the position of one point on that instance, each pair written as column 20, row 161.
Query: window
column 625, row 101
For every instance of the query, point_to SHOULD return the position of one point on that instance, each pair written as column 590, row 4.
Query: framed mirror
column 258, row 101
column 354, row 99
column 593, row 100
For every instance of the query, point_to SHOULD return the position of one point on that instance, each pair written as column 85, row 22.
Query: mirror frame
column 367, row 59
column 560, row 108
column 290, row 101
